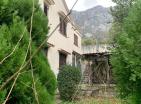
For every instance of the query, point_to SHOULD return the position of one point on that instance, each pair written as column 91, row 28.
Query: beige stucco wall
column 57, row 39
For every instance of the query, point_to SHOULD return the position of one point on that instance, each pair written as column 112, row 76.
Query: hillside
column 94, row 22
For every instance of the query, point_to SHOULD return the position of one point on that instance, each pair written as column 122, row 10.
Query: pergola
column 98, row 68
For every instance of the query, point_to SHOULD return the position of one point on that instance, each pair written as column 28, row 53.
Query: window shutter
column 75, row 39
column 63, row 26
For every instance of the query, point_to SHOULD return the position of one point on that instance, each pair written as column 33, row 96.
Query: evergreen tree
column 126, row 58
column 119, row 12
column 15, row 18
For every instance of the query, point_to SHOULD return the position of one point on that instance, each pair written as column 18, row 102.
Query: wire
column 62, row 21
column 73, row 6
column 50, row 35
column 38, row 49
column 16, row 46
column 28, row 49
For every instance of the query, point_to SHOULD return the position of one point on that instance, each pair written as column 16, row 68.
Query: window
column 46, row 9
column 63, row 26
column 76, row 60
column 75, row 40
column 62, row 59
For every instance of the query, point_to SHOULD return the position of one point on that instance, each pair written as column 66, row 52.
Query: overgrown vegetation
column 92, row 42
column 126, row 58
column 15, row 23
column 88, row 41
column 119, row 13
column 68, row 80
column 97, row 101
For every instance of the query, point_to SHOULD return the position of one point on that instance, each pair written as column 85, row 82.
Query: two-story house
column 64, row 46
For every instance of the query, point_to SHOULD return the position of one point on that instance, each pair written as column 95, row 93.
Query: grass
column 96, row 101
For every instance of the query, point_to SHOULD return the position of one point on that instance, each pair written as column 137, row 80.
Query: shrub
column 126, row 58
column 14, row 19
column 68, row 79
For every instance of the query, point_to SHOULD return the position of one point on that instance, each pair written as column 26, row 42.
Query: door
column 62, row 59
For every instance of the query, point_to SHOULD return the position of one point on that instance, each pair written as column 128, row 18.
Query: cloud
column 79, row 6
column 90, row 3
column 86, row 4
column 106, row 3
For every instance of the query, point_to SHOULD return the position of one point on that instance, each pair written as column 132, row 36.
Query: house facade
column 64, row 46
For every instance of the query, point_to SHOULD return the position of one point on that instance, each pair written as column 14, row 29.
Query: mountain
column 94, row 22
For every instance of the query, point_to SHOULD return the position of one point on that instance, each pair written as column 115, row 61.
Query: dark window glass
column 63, row 26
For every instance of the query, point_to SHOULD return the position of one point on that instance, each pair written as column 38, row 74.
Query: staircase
column 86, row 78
column 97, row 90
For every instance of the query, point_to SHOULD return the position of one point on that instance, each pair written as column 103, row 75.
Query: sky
column 86, row 4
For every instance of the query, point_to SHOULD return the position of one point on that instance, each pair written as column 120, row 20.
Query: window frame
column 76, row 58
column 63, row 26
column 76, row 40
column 62, row 61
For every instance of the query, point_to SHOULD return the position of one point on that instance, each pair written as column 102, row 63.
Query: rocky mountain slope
column 94, row 22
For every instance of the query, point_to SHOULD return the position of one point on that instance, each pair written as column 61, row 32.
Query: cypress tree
column 15, row 18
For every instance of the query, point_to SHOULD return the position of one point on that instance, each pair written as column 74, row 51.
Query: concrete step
column 99, row 90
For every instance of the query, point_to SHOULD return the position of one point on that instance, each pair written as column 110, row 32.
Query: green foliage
column 92, row 41
column 88, row 41
column 126, row 56
column 119, row 13
column 46, row 76
column 68, row 79
column 39, row 28
column 6, row 14
column 12, row 27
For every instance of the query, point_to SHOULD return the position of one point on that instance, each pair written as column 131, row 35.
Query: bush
column 126, row 58
column 14, row 19
column 68, row 79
